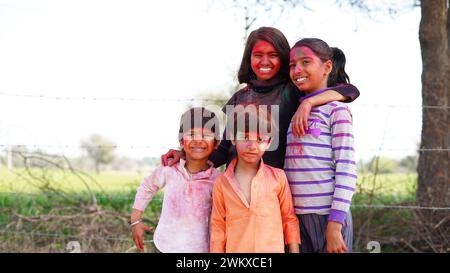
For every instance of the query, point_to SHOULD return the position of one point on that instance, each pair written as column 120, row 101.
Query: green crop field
column 20, row 181
column 117, row 189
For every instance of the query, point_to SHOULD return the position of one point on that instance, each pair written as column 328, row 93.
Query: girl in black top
column 265, row 70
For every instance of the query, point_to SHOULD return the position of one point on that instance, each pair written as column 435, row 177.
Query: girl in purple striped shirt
column 320, row 165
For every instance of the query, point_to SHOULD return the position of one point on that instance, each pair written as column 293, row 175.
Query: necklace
column 189, row 171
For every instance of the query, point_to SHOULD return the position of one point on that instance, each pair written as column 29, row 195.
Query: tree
column 100, row 149
column 433, row 187
column 433, row 183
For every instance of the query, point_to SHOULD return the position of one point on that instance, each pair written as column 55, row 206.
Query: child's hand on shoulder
column 300, row 118
column 171, row 157
column 334, row 239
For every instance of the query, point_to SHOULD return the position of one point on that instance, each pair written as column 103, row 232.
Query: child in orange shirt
column 252, row 208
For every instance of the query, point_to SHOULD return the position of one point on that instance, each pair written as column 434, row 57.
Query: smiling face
column 251, row 146
column 265, row 61
column 198, row 143
column 307, row 71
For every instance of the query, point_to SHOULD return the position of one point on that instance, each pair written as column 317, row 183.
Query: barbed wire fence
column 121, row 99
column 92, row 221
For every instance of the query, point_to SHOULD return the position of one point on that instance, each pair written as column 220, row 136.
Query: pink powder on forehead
column 261, row 44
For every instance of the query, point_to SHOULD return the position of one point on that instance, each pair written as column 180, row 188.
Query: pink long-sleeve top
column 183, row 226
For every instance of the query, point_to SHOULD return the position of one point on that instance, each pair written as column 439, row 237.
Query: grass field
column 63, row 200
column 116, row 189
column 20, row 181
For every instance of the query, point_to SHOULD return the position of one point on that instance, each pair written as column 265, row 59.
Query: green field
column 39, row 190
column 20, row 181
column 117, row 189
column 387, row 188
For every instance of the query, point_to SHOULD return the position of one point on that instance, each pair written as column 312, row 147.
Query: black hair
column 199, row 117
column 277, row 39
column 249, row 117
column 338, row 74
column 318, row 46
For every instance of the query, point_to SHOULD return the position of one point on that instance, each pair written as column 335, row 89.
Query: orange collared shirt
column 264, row 225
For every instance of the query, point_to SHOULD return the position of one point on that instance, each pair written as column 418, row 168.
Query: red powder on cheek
column 241, row 146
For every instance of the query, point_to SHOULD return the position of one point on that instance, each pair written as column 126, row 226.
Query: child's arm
column 345, row 92
column 148, row 188
column 349, row 92
column 136, row 215
column 291, row 226
column 334, row 239
column 138, row 229
column 345, row 176
column 294, row 248
column 218, row 228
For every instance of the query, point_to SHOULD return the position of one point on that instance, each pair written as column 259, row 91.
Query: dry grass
column 95, row 228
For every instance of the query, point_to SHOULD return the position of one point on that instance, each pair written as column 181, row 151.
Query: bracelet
column 137, row 222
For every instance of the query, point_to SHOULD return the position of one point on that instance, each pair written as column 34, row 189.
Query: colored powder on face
column 298, row 53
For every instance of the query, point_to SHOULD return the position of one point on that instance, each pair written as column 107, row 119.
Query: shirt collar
column 229, row 173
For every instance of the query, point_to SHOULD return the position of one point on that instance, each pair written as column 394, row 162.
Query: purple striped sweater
column 321, row 166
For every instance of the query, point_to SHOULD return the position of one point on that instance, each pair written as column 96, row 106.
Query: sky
column 136, row 62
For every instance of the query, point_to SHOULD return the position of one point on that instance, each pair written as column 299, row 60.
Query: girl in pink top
column 184, row 222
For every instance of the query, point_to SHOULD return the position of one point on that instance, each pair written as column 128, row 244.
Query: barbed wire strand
column 42, row 96
column 398, row 207
column 76, row 196
column 41, row 234
column 84, row 98
column 173, row 147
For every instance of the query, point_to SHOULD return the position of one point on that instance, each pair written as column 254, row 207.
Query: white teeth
column 198, row 149
column 265, row 69
column 302, row 79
